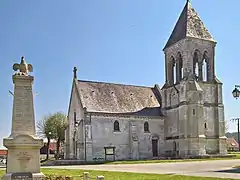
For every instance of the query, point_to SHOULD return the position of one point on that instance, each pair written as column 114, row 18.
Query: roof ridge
column 111, row 83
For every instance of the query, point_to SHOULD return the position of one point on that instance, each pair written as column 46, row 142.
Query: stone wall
column 131, row 142
column 180, row 121
column 75, row 106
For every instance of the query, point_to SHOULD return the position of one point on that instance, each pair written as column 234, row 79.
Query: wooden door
column 155, row 147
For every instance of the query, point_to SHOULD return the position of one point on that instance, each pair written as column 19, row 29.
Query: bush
column 58, row 178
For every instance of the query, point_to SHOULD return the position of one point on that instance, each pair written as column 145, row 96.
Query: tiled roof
column 3, row 152
column 232, row 142
column 189, row 24
column 119, row 98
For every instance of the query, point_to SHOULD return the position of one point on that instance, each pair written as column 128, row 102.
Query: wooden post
column 86, row 176
column 100, row 178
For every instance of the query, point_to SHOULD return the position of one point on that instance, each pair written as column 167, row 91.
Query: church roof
column 189, row 24
column 119, row 98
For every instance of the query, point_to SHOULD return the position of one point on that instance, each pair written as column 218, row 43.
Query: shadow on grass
column 233, row 170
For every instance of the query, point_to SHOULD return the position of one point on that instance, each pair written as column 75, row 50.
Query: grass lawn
column 118, row 175
column 169, row 161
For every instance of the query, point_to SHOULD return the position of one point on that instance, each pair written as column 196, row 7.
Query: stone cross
column 75, row 73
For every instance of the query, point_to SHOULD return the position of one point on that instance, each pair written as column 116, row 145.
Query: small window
column 205, row 125
column 116, row 126
column 146, row 127
column 75, row 117
column 194, row 112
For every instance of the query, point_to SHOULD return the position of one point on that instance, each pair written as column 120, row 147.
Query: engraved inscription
column 22, row 176
column 23, row 155
column 23, row 109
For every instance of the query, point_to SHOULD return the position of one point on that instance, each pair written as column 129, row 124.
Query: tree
column 46, row 129
column 61, row 125
column 53, row 126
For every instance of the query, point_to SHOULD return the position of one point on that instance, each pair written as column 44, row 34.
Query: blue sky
column 108, row 40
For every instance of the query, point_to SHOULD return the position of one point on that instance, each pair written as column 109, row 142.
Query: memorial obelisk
column 23, row 145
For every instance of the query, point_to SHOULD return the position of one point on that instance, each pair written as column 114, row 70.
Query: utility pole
column 237, row 120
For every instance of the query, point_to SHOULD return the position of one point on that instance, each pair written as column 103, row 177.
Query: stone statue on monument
column 23, row 67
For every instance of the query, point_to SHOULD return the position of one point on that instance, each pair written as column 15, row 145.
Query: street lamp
column 49, row 134
column 236, row 92
column 237, row 120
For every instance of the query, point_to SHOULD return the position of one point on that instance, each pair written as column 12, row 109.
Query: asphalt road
column 214, row 168
column 201, row 168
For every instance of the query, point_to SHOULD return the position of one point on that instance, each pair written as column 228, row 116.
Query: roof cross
column 75, row 72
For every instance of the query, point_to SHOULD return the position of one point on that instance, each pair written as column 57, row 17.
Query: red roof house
column 3, row 152
column 232, row 144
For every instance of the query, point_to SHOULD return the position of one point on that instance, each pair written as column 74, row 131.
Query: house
column 232, row 144
column 3, row 153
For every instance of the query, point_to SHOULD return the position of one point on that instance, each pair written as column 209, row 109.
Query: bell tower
column 189, row 48
column 192, row 95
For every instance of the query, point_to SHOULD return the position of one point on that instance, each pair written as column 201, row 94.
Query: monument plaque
column 23, row 145
column 22, row 176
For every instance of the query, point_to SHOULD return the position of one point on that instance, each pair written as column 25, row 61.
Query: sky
column 107, row 40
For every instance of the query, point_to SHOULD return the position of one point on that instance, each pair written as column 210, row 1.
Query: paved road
column 201, row 168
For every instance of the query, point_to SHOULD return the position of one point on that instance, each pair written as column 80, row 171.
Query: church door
column 155, row 147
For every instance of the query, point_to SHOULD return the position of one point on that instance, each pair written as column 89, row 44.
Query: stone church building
column 184, row 117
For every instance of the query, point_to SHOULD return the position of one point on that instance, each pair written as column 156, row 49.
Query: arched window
column 75, row 118
column 116, row 126
column 205, row 125
column 180, row 67
column 196, row 64
column 174, row 146
column 204, row 70
column 196, row 69
column 146, row 127
column 205, row 67
column 174, row 73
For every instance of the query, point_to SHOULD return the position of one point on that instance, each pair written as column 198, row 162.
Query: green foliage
column 61, row 124
column 46, row 127
column 53, row 126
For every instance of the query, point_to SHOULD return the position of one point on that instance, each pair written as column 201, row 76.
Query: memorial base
column 35, row 176
column 23, row 154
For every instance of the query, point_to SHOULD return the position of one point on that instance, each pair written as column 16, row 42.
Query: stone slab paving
column 201, row 168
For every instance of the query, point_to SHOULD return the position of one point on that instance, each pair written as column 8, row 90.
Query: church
column 182, row 118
